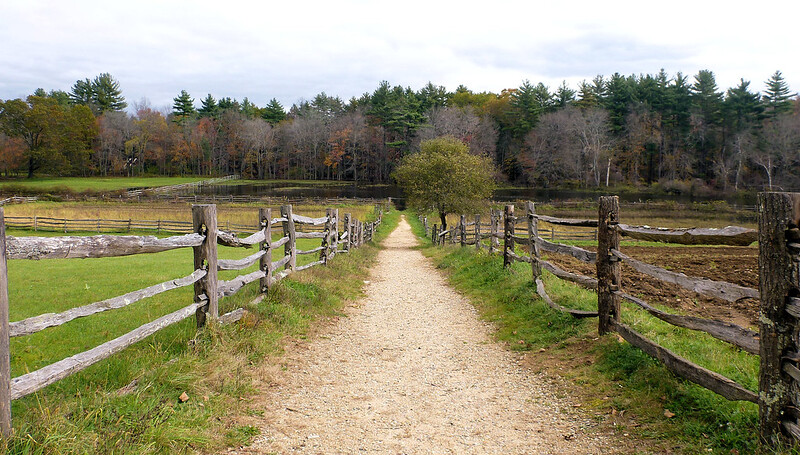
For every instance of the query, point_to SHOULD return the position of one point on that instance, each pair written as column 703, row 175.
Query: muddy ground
column 737, row 265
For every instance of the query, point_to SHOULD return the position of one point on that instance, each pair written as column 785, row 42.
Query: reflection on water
column 348, row 190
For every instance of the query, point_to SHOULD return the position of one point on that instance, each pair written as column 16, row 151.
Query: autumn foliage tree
column 444, row 177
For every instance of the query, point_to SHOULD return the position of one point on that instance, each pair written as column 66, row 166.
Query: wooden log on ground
column 228, row 288
column 37, row 380
column 730, row 235
column 204, row 221
column 583, row 280
column 718, row 289
column 710, row 380
column 233, row 316
column 738, row 336
column 608, row 271
column 576, row 313
column 566, row 221
column 239, row 264
column 574, row 251
column 37, row 323
column 95, row 246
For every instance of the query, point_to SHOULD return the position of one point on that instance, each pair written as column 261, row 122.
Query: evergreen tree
column 183, row 107
column 82, row 93
column 741, row 107
column 273, row 112
column 617, row 101
column 706, row 97
column 563, row 96
column 208, row 107
column 433, row 96
column 106, row 94
column 587, row 97
column 777, row 97
column 249, row 109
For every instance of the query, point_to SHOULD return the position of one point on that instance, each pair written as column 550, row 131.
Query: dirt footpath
column 413, row 370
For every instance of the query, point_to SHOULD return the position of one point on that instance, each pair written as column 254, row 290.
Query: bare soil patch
column 738, row 265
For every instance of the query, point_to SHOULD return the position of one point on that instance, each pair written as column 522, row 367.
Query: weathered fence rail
column 778, row 340
column 204, row 239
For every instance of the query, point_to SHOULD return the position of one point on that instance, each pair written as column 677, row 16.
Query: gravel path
column 413, row 370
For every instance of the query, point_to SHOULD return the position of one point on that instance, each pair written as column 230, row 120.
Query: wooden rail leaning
column 207, row 289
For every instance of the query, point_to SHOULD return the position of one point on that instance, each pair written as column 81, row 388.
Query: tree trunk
column 443, row 218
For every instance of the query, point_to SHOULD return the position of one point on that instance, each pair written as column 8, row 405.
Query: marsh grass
column 619, row 377
column 129, row 402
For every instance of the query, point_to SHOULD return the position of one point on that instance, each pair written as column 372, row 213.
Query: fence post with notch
column 608, row 268
column 204, row 221
column 778, row 256
column 265, row 262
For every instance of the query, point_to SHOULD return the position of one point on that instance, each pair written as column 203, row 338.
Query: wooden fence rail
column 204, row 239
column 778, row 340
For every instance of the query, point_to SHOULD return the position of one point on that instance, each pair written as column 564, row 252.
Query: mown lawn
column 93, row 184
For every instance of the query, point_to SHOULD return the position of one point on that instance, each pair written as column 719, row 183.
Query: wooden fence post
column 477, row 232
column 493, row 241
column 608, row 270
column 290, row 249
column 5, row 353
column 508, row 232
column 435, row 234
column 335, row 233
column 360, row 232
column 533, row 235
column 325, row 253
column 204, row 221
column 265, row 263
column 462, row 230
column 778, row 235
column 425, row 224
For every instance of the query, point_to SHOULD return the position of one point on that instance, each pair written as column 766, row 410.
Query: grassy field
column 89, row 184
column 626, row 390
column 246, row 214
column 129, row 402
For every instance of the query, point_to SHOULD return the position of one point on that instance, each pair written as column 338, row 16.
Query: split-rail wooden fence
column 208, row 290
column 777, row 342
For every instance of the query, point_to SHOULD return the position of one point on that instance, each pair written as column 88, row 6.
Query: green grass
column 129, row 402
column 89, row 184
column 625, row 378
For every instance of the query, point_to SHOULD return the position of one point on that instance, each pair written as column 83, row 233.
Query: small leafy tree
column 444, row 177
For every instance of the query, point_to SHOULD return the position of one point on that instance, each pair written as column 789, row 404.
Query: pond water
column 348, row 190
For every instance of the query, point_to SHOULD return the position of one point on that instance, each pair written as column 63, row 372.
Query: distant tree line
column 633, row 130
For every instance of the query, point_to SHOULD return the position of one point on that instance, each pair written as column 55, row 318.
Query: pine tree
column 183, row 107
column 106, row 94
column 82, row 93
column 741, row 107
column 208, row 107
column 564, row 95
column 777, row 97
column 273, row 112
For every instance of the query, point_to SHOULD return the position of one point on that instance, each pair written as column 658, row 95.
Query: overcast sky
column 292, row 50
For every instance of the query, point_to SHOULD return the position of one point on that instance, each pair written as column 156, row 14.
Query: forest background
column 679, row 134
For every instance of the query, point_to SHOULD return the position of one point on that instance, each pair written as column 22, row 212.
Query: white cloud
column 293, row 50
